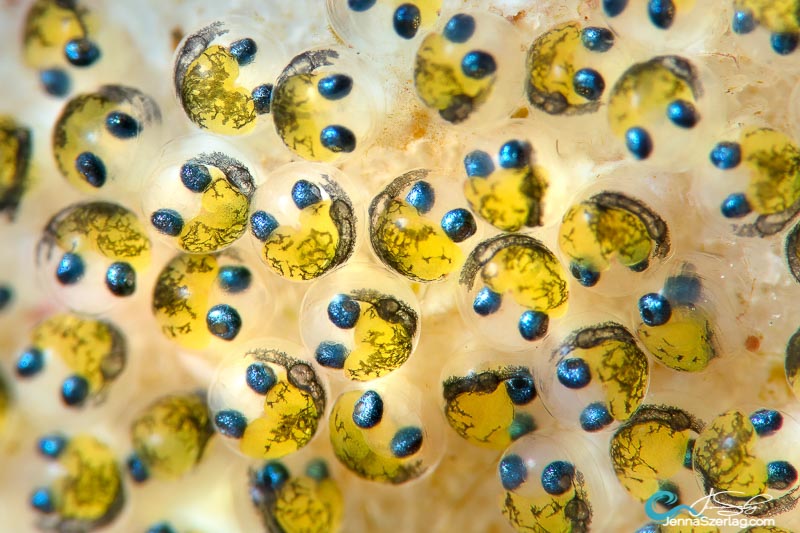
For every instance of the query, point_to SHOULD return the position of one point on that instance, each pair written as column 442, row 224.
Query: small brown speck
column 522, row 112
column 176, row 34
column 752, row 343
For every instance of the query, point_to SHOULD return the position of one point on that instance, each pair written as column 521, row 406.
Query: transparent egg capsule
column 381, row 433
column 753, row 20
column 91, row 255
column 552, row 485
column 792, row 363
column 569, row 67
column 107, row 137
column 756, row 184
column 419, row 227
column 310, row 502
column 488, row 402
column 265, row 401
column 71, row 363
column 198, row 198
column 15, row 157
column 362, row 320
column 661, row 24
column 471, row 68
column 511, row 286
column 303, row 221
column 382, row 26
column 222, row 75
column 596, row 376
column 327, row 104
column 205, row 301
column 169, row 437
column 611, row 228
column 750, row 456
column 652, row 451
column 83, row 489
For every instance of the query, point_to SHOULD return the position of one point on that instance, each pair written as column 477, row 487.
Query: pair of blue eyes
column 120, row 276
column 368, row 413
column 458, row 224
column 557, row 476
column 74, row 389
column 661, row 12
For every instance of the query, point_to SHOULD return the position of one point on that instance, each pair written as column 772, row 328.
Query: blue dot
column 487, row 302
column 331, row 354
column 574, row 373
column 597, row 39
column 335, row 86
column 262, row 98
column 74, row 390
column 766, row 421
column 52, row 445
column 260, row 378
column 70, row 269
column 6, row 295
column 407, row 441
column 195, row 177
column 585, row 275
column 459, row 28
column 784, row 43
column 91, row 168
column 338, row 139
column 614, row 7
column 272, row 476
column 406, row 20
column 121, row 279
column 661, row 12
column 478, row 164
column 736, row 206
column 55, row 81
column 557, row 477
column 683, row 289
column 595, row 417
column 421, row 196
column 478, row 64
column 520, row 390
column 305, row 194
column 81, row 52
column 743, row 22
column 533, row 325
column 654, row 309
column 649, row 528
column 368, row 410
column 589, row 84
column 244, row 50
column 223, row 321
column 726, row 155
column 781, row 475
column 360, row 5
column 688, row 455
column 343, row 311
column 513, row 471
column 638, row 142
column 514, row 154
column 234, row 279
column 137, row 469
column 122, row 125
column 683, row 114
column 522, row 425
column 161, row 527
column 262, row 225
column 167, row 221
column 42, row 501
column 230, row 423
column 30, row 362
column 459, row 225
column 317, row 470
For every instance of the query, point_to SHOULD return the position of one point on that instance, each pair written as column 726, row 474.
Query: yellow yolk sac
column 778, row 16
column 15, row 154
column 686, row 342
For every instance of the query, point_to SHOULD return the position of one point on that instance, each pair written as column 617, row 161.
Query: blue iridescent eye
column 262, row 224
column 338, row 139
column 137, row 468
column 122, row 126
column 585, row 276
column 167, row 221
column 368, row 410
column 81, row 52
column 70, row 269
column 682, row 113
column 234, row 279
column 614, row 7
column 6, row 295
column 487, row 302
column 736, row 205
column 407, row 19
column 784, row 43
column 421, row 196
column 515, row 154
column 743, row 22
column 459, row 224
column 244, row 51
column 55, row 82
column 195, row 177
column 661, row 12
column 260, row 378
column 766, row 422
column 407, row 441
column 478, row 164
column 360, row 5
column 533, row 325
column 638, row 142
column 521, row 390
column 557, row 477
column 597, row 39
column 513, row 472
column 223, row 321
column 317, row 470
column 52, row 445
column 272, row 476
column 161, row 527
column 459, row 28
column 343, row 311
column 688, row 456
column 30, row 362
column 305, row 194
column 589, row 83
column 573, row 373
column 477, row 65
column 262, row 98
column 42, row 501
column 683, row 289
column 522, row 425
column 121, row 279
column 74, row 390
column 781, row 475
column 331, row 354
column 595, row 417
column 654, row 309
column 726, row 155
column 92, row 168
column 335, row 86
column 230, row 423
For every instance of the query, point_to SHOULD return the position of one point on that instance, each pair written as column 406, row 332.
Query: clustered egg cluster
column 533, row 267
